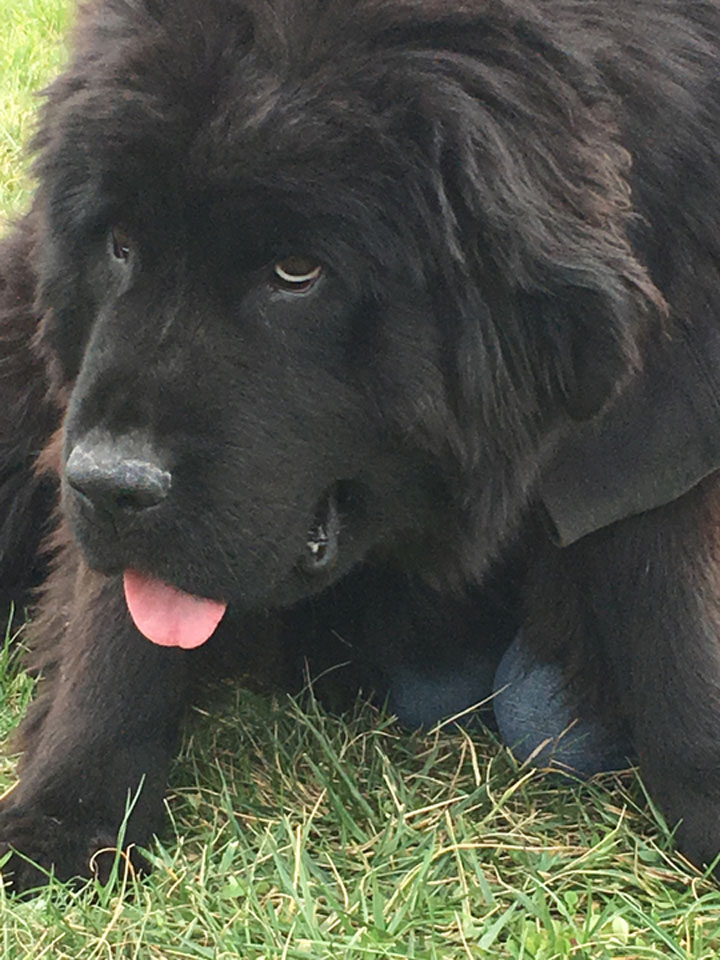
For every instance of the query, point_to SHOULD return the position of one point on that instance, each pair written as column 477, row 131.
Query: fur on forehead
column 416, row 137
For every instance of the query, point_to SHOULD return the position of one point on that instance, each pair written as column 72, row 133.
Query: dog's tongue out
column 166, row 615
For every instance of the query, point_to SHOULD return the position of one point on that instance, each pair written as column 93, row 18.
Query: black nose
column 117, row 475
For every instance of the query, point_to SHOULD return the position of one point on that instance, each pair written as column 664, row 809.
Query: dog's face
column 230, row 351
column 223, row 430
column 304, row 306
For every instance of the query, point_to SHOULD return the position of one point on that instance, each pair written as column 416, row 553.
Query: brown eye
column 296, row 274
column 120, row 243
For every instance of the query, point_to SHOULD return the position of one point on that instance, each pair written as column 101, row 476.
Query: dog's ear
column 530, row 189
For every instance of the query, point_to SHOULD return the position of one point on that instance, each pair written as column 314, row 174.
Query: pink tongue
column 166, row 615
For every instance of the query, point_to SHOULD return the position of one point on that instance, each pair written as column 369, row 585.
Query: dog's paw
column 698, row 839
column 34, row 845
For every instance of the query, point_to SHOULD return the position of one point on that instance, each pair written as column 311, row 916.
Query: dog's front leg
column 102, row 731
column 635, row 609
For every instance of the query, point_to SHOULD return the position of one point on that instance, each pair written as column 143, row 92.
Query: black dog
column 329, row 299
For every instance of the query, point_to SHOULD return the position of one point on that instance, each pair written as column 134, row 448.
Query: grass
column 30, row 52
column 293, row 834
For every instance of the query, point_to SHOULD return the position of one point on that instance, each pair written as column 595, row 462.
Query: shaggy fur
column 514, row 204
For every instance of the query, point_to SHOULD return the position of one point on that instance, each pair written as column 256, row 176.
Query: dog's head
column 323, row 279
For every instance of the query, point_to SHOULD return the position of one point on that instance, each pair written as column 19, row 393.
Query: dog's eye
column 120, row 243
column 296, row 274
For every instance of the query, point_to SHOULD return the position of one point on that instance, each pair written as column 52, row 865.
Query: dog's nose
column 117, row 476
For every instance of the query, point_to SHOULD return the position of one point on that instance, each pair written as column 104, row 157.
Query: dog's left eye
column 296, row 274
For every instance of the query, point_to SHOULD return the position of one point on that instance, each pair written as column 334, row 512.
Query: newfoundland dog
column 392, row 320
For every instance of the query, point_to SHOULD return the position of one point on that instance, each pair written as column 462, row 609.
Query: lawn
column 294, row 834
column 32, row 34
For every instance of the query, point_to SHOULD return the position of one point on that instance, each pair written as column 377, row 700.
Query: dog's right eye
column 120, row 239
column 296, row 274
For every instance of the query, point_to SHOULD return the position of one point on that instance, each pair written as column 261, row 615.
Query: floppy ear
column 530, row 184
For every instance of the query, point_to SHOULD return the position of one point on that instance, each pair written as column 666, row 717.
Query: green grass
column 30, row 52
column 292, row 834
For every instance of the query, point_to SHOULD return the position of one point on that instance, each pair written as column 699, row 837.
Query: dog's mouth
column 171, row 617
column 322, row 545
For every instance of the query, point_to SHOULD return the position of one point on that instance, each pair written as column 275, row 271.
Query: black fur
column 513, row 202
